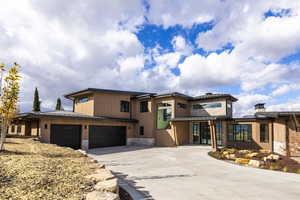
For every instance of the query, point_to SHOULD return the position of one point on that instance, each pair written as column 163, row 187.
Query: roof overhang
column 49, row 115
column 93, row 90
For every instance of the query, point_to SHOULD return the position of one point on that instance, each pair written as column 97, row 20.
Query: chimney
column 260, row 107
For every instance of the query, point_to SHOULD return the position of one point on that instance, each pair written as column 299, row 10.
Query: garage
column 66, row 135
column 107, row 136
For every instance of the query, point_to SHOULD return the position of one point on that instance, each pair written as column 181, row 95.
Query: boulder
column 230, row 156
column 264, row 151
column 271, row 157
column 244, row 151
column 82, row 152
column 102, row 195
column 255, row 163
column 243, row 161
column 108, row 185
column 102, row 175
column 251, row 155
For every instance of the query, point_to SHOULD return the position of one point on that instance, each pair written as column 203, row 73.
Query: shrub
column 298, row 171
column 216, row 155
column 285, row 169
column 274, row 167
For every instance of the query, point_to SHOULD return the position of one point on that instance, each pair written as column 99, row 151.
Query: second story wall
column 109, row 105
column 84, row 105
column 182, row 108
column 217, row 107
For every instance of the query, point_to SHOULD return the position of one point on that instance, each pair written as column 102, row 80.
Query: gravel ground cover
column 32, row 170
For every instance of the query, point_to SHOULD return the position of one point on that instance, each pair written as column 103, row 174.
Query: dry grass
column 31, row 170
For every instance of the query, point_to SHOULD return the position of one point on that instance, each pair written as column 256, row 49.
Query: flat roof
column 70, row 115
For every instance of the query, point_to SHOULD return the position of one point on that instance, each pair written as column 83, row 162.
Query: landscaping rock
column 255, row 163
column 82, row 152
column 251, row 155
column 264, row 151
column 109, row 185
column 102, row 175
column 244, row 151
column 230, row 156
column 243, row 161
column 271, row 157
column 101, row 195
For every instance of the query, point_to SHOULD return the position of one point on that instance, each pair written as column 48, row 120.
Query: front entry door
column 201, row 133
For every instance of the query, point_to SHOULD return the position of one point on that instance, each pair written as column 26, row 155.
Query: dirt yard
column 31, row 170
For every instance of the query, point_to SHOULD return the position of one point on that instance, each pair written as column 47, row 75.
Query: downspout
column 287, row 138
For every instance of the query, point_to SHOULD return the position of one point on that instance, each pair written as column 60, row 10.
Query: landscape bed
column 32, row 170
column 258, row 158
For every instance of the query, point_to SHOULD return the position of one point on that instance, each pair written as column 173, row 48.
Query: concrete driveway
column 187, row 172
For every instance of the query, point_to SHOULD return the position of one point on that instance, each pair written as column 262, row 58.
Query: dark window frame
column 13, row 129
column 19, row 128
column 124, row 106
column 182, row 105
column 264, row 134
column 239, row 132
column 144, row 106
column 141, row 130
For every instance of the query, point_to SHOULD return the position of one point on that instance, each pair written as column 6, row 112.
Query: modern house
column 102, row 118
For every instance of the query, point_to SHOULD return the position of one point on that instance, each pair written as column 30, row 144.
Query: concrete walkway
column 187, row 172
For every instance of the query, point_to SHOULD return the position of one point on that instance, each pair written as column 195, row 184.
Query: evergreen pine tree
column 36, row 101
column 58, row 104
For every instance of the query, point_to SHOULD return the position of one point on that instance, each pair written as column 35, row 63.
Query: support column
column 213, row 135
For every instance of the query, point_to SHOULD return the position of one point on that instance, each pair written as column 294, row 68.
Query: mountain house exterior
column 103, row 118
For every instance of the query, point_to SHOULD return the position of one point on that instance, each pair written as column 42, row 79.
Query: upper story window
column 264, row 133
column 124, row 106
column 144, row 106
column 164, row 115
column 182, row 105
column 239, row 133
column 83, row 99
column 13, row 128
column 207, row 105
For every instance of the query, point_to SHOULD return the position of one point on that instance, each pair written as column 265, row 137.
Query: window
column 182, row 105
column 83, row 99
column 13, row 128
column 207, row 105
column 164, row 114
column 46, row 126
column 144, row 106
column 19, row 128
column 141, row 130
column 239, row 132
column 264, row 133
column 124, row 106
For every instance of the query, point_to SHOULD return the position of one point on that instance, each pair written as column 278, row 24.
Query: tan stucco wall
column 86, row 108
column 146, row 119
column 181, row 112
column 109, row 104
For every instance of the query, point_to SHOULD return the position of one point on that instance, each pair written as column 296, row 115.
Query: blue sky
column 249, row 50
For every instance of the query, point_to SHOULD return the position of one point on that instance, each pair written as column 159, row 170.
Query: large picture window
column 239, row 132
column 124, row 106
column 264, row 133
column 144, row 106
column 164, row 114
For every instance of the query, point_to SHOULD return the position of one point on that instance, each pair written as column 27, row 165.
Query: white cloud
column 283, row 89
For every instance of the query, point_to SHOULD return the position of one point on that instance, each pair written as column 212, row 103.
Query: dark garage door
column 106, row 136
column 66, row 135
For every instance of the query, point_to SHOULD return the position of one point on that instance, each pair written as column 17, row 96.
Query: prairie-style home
column 103, row 118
